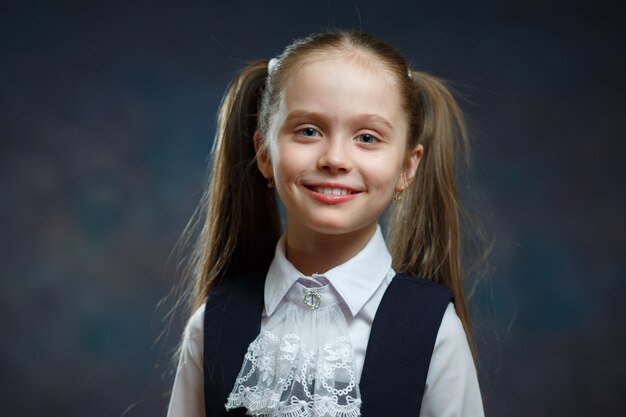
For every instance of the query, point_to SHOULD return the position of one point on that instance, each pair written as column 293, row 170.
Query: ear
column 263, row 160
column 410, row 168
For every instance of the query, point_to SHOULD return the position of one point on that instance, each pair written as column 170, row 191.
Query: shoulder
column 194, row 330
column 233, row 295
column 451, row 341
column 417, row 301
column 422, row 302
column 451, row 331
column 239, row 284
column 452, row 382
column 195, row 323
column 192, row 345
column 415, row 284
column 417, row 281
column 452, row 356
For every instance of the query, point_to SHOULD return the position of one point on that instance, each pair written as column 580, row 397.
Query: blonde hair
column 241, row 224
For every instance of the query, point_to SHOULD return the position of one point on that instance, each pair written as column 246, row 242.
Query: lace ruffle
column 301, row 365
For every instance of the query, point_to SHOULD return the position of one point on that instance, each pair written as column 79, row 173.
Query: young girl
column 322, row 319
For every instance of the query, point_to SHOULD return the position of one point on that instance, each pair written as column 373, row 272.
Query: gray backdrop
column 107, row 118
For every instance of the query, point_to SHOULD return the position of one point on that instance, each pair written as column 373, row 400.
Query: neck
column 313, row 252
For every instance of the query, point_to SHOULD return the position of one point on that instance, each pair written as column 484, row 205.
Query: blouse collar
column 356, row 280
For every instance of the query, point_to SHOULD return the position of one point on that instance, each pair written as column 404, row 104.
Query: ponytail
column 424, row 233
column 242, row 223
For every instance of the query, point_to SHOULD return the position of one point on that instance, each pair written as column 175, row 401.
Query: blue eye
column 367, row 139
column 308, row 132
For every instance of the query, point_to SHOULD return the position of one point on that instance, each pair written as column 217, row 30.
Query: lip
column 331, row 198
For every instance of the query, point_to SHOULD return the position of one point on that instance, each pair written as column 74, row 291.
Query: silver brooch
column 312, row 299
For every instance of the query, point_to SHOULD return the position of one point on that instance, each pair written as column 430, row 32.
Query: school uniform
column 397, row 374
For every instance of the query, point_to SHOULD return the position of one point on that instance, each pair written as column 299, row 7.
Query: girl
column 315, row 321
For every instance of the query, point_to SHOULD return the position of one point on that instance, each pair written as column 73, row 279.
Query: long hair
column 242, row 223
column 424, row 233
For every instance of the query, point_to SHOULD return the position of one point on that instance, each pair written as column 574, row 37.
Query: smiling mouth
column 331, row 191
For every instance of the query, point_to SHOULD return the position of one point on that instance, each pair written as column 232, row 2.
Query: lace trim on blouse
column 302, row 364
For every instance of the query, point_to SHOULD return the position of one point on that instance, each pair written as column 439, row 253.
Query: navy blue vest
column 396, row 361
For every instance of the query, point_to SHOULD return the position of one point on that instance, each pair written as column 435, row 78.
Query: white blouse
column 451, row 389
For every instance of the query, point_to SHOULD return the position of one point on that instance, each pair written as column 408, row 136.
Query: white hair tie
column 271, row 65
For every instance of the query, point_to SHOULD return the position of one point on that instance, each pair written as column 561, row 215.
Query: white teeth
column 332, row 191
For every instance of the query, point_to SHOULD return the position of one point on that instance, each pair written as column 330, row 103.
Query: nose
column 335, row 156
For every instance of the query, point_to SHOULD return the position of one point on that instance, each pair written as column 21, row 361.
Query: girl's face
column 341, row 147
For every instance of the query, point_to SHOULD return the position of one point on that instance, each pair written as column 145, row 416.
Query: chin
column 337, row 227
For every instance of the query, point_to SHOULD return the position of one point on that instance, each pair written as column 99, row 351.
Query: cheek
column 284, row 171
column 289, row 164
column 382, row 173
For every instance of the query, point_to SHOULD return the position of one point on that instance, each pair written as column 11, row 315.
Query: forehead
column 344, row 85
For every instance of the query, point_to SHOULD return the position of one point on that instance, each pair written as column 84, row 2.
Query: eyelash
column 376, row 140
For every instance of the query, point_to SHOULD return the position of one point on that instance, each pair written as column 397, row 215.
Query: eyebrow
column 361, row 118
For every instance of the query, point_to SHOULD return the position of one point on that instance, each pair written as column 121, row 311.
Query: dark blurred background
column 107, row 119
